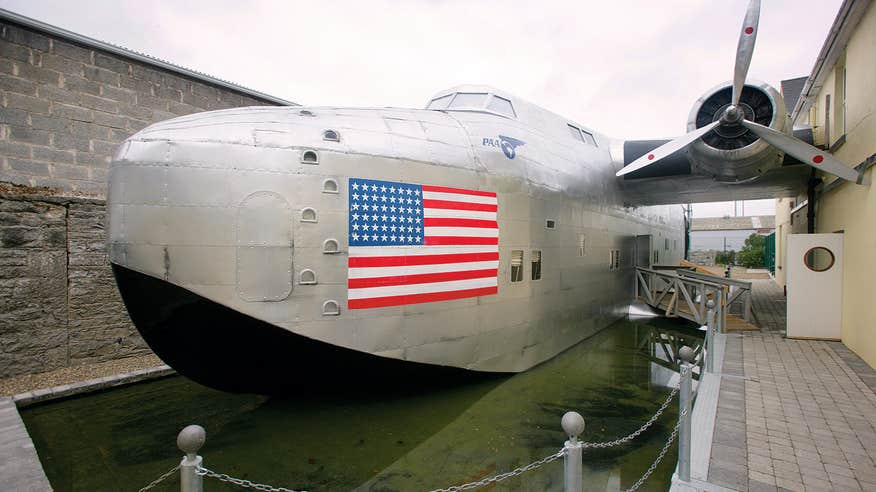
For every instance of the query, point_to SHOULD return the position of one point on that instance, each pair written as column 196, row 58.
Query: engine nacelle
column 732, row 153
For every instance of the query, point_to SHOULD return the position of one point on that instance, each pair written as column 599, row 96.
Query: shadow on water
column 389, row 440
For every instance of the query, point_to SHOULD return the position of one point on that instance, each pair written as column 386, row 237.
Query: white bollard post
column 684, row 413
column 573, row 464
column 710, row 336
column 189, row 441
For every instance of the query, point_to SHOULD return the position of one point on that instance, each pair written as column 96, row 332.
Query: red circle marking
column 650, row 157
column 749, row 30
column 817, row 159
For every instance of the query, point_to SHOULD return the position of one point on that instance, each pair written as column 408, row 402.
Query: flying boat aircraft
column 266, row 248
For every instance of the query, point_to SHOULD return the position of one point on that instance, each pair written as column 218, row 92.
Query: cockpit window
column 474, row 101
column 576, row 133
column 440, row 102
column 468, row 100
column 501, row 106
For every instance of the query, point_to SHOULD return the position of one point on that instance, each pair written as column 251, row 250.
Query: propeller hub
column 732, row 115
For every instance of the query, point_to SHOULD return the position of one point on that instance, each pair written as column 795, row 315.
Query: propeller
column 745, row 49
column 805, row 153
column 733, row 116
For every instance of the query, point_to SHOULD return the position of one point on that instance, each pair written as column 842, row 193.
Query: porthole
column 331, row 136
column 331, row 308
column 310, row 157
column 330, row 186
column 307, row 277
column 330, row 247
column 308, row 215
column 819, row 259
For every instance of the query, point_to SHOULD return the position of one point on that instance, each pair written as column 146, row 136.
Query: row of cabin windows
column 517, row 265
column 535, row 261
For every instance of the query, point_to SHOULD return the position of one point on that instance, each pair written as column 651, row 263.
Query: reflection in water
column 388, row 441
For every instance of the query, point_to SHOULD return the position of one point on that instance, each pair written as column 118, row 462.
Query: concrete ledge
column 20, row 467
column 705, row 412
column 67, row 390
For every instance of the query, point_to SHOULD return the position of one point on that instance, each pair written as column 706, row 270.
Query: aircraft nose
column 214, row 200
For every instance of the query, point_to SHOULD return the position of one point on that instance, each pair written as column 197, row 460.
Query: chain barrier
column 160, row 479
column 559, row 454
column 660, row 456
column 637, row 432
column 222, row 477
column 502, row 476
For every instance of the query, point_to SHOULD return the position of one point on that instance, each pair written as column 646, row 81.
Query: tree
column 751, row 255
column 725, row 257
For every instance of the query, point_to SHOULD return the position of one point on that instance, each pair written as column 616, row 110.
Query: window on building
column 827, row 120
column 582, row 245
column 536, row 264
column 842, row 120
column 517, row 265
column 501, row 106
column 656, row 257
column 666, row 243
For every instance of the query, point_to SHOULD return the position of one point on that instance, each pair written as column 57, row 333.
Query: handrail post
column 189, row 441
column 573, row 464
column 684, row 413
column 710, row 336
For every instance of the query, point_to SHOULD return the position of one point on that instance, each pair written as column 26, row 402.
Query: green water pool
column 345, row 440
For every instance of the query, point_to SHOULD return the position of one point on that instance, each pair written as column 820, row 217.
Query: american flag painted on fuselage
column 413, row 243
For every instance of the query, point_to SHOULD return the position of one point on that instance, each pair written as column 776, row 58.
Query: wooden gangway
column 683, row 292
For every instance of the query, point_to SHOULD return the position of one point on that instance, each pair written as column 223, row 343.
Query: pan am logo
column 507, row 144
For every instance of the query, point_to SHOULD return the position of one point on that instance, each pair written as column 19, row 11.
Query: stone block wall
column 33, row 286
column 64, row 108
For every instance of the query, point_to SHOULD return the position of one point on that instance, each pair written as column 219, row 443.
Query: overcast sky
column 625, row 68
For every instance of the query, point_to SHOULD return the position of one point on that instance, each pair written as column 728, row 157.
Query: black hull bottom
column 221, row 348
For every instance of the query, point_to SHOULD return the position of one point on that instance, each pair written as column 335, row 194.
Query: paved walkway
column 794, row 415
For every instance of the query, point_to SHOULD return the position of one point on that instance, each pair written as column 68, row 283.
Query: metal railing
column 192, row 470
column 684, row 293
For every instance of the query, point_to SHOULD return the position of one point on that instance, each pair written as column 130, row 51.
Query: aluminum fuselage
column 227, row 205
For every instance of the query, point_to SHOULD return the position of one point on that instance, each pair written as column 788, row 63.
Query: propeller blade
column 805, row 153
column 666, row 149
column 745, row 48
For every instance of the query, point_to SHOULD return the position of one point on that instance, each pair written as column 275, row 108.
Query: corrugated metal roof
column 137, row 56
column 733, row 223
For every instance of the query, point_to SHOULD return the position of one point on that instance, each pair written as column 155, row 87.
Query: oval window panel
column 819, row 259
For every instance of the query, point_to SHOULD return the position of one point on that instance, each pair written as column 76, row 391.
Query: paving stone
column 758, row 486
column 790, row 485
column 728, row 478
column 842, row 482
